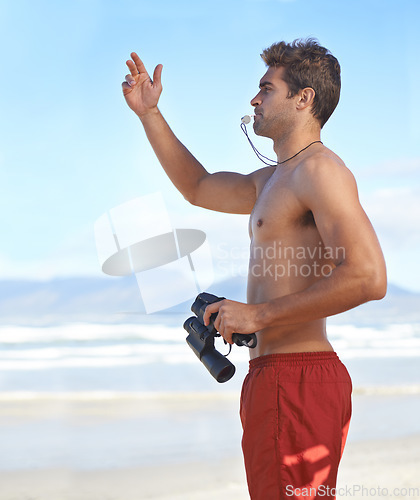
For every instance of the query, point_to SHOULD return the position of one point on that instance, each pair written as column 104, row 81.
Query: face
column 274, row 111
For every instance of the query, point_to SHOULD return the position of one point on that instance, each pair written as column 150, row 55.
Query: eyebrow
column 265, row 83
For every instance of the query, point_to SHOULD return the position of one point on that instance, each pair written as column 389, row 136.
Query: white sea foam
column 11, row 334
column 123, row 345
column 177, row 397
column 360, row 342
column 114, row 350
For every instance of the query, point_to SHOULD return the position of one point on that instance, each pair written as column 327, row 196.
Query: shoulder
column 324, row 174
column 262, row 173
column 261, row 176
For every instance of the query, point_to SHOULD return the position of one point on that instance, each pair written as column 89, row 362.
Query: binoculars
column 201, row 339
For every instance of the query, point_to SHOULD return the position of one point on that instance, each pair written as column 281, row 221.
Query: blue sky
column 70, row 149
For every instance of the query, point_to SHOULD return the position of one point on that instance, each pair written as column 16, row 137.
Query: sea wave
column 95, row 345
column 84, row 332
column 175, row 396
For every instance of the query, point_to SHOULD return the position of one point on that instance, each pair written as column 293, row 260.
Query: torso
column 286, row 256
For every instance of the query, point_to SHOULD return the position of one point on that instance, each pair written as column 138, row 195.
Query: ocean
column 170, row 408
column 154, row 357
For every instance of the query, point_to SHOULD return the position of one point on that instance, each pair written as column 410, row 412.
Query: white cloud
column 395, row 214
column 75, row 255
column 402, row 168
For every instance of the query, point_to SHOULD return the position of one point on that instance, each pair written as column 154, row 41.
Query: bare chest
column 278, row 212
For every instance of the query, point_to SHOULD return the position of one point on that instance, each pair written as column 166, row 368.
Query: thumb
column 157, row 74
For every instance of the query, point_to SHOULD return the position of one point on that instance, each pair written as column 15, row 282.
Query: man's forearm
column 184, row 170
column 332, row 295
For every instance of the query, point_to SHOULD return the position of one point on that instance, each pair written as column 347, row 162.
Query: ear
column 306, row 98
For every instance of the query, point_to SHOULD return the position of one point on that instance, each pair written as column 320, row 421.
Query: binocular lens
column 218, row 365
column 226, row 374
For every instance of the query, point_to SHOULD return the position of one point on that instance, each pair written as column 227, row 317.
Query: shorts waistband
column 294, row 358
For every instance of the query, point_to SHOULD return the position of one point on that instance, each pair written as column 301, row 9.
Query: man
column 313, row 254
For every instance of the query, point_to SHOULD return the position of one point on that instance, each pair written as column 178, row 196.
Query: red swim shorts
column 295, row 413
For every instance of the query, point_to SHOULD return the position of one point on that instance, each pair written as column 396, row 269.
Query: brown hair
column 307, row 64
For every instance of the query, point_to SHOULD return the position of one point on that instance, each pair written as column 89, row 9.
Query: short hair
column 307, row 64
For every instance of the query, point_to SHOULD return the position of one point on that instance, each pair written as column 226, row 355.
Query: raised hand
column 140, row 91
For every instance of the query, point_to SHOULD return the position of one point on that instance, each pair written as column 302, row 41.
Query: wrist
column 149, row 114
column 264, row 314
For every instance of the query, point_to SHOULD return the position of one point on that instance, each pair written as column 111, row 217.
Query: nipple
column 259, row 222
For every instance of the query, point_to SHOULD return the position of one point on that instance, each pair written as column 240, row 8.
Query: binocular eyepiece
column 201, row 339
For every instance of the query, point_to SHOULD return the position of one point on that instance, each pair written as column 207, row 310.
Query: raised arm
column 223, row 191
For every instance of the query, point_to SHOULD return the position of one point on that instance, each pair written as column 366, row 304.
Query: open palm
column 140, row 91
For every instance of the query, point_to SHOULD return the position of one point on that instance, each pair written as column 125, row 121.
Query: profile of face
column 274, row 111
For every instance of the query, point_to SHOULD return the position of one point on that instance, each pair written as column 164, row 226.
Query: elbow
column 375, row 284
column 191, row 197
column 194, row 192
column 378, row 289
column 191, row 193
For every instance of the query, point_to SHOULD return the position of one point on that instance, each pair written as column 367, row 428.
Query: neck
column 289, row 144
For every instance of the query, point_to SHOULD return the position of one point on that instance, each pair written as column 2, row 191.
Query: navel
column 259, row 222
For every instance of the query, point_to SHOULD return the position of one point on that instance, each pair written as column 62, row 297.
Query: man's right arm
column 222, row 191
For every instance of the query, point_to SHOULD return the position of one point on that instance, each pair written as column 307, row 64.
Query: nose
column 256, row 101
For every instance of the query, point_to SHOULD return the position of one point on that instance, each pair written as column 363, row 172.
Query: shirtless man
column 313, row 254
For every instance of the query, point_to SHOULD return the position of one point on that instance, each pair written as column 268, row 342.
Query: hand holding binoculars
column 201, row 339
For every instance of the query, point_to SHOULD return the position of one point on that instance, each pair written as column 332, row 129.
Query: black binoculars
column 201, row 339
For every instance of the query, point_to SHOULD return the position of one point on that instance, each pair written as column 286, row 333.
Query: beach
column 366, row 467
column 127, row 411
column 104, row 446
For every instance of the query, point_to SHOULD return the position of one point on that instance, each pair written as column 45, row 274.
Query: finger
column 157, row 75
column 132, row 67
column 207, row 314
column 130, row 80
column 228, row 334
column 210, row 309
column 217, row 322
column 126, row 88
column 225, row 332
column 138, row 62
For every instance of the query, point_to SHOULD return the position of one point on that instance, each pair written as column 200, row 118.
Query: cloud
column 72, row 255
column 402, row 168
column 395, row 214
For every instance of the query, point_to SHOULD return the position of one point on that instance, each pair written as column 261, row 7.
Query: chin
column 257, row 129
column 260, row 132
